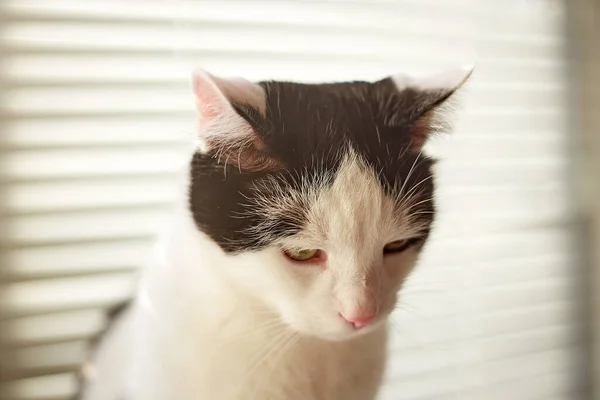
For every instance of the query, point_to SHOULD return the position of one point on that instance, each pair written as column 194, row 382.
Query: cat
column 304, row 209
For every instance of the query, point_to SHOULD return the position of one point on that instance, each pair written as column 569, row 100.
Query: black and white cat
column 305, row 209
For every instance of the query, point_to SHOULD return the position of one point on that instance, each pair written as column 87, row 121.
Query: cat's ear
column 223, row 131
column 431, row 100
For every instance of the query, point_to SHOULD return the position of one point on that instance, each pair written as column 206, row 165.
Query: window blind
column 97, row 109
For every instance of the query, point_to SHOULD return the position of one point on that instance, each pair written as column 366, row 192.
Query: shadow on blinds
column 96, row 114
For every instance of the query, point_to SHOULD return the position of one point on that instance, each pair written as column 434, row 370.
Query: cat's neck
column 184, row 273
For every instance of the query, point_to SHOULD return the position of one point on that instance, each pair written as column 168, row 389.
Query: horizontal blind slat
column 53, row 327
column 63, row 259
column 68, row 293
column 52, row 387
column 46, row 357
column 52, row 69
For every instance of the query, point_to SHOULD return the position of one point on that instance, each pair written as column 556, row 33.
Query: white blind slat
column 49, row 356
column 64, row 259
column 54, row 327
column 52, row 387
column 69, row 293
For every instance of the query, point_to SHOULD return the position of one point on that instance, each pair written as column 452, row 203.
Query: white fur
column 206, row 325
column 451, row 79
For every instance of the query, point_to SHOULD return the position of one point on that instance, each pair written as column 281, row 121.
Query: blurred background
column 96, row 110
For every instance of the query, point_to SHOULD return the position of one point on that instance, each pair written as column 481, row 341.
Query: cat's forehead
column 346, row 107
column 355, row 211
column 304, row 124
column 348, row 207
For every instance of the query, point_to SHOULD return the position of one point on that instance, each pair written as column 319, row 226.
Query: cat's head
column 319, row 194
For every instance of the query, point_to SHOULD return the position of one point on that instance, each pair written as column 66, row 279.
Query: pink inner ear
column 210, row 102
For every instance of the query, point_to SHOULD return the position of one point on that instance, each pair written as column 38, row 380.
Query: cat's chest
column 271, row 366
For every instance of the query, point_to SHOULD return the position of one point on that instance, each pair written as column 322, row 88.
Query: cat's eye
column 302, row 254
column 399, row 246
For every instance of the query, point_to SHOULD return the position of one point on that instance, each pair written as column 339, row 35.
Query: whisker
column 411, row 170
column 407, row 308
column 413, row 205
column 424, row 212
column 416, row 342
column 283, row 349
column 272, row 347
column 406, row 149
column 406, row 196
column 261, row 328
column 412, row 285
column 424, row 291
column 396, row 328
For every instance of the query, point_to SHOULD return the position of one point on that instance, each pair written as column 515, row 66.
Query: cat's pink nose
column 359, row 321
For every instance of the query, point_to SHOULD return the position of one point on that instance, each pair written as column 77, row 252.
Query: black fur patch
column 306, row 130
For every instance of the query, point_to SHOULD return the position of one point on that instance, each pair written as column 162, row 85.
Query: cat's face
column 319, row 195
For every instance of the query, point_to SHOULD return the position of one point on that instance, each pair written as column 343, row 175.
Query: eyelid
column 408, row 243
column 319, row 256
